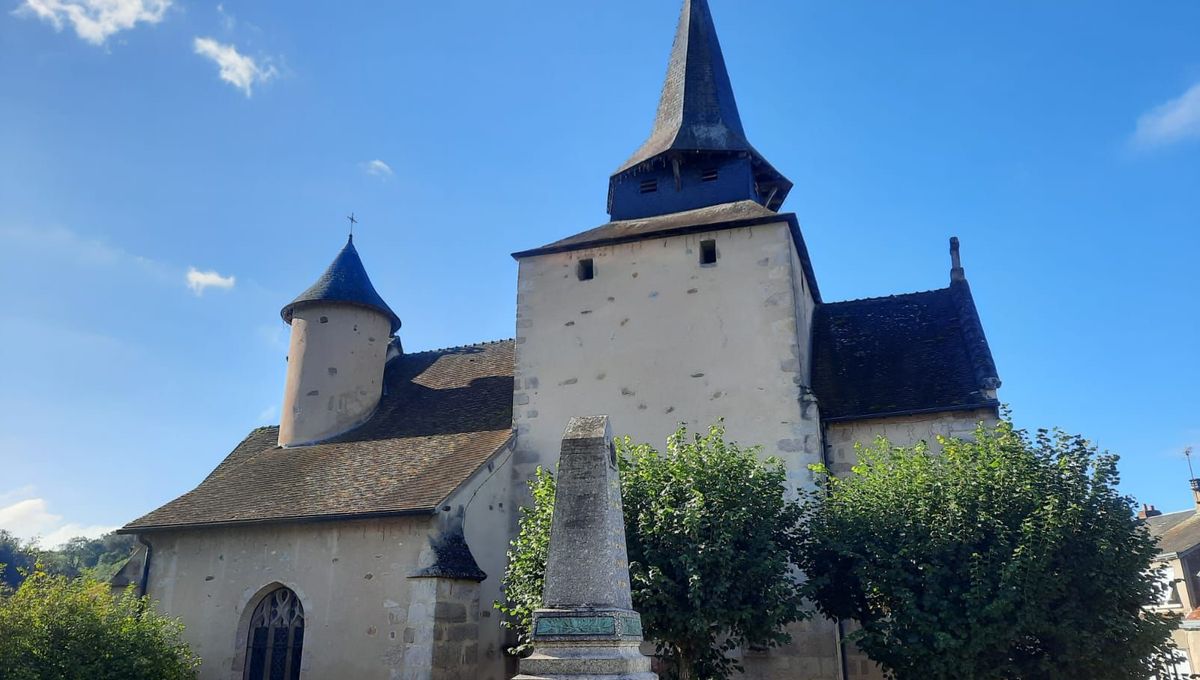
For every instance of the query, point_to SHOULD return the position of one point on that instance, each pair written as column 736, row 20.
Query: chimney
column 1148, row 511
column 957, row 273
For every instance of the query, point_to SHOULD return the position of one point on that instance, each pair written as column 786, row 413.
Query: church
column 365, row 535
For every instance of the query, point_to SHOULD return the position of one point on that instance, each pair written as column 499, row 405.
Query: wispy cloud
column 30, row 519
column 96, row 20
column 228, row 21
column 83, row 250
column 273, row 336
column 377, row 168
column 237, row 69
column 1175, row 121
column 199, row 281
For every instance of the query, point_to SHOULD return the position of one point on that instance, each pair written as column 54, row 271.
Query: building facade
column 366, row 535
column 1178, row 536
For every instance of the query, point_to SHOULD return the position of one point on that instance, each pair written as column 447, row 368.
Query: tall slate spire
column 697, row 125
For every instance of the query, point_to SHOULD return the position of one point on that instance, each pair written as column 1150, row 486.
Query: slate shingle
column 443, row 415
column 904, row 354
column 1176, row 532
column 345, row 281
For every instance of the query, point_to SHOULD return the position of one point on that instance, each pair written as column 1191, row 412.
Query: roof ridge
column 482, row 343
column 886, row 297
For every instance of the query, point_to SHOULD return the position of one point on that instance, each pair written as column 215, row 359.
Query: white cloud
column 96, row 20
column 1174, row 121
column 378, row 168
column 199, row 281
column 236, row 68
column 269, row 415
column 31, row 519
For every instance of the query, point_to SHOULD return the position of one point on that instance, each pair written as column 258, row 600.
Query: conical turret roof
column 345, row 281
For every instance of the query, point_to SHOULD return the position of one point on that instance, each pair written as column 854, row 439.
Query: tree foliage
column 525, row 573
column 15, row 560
column 711, row 539
column 712, row 549
column 1005, row 557
column 99, row 558
column 75, row 629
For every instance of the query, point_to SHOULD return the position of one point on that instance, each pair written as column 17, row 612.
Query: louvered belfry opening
column 276, row 637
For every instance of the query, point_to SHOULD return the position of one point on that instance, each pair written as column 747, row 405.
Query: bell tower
column 697, row 154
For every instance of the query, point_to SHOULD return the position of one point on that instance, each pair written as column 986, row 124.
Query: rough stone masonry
column 588, row 627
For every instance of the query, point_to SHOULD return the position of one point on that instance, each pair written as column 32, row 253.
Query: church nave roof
column 444, row 414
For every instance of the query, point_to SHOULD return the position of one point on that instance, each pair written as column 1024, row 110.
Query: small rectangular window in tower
column 649, row 186
column 586, row 270
column 710, row 175
column 708, row 252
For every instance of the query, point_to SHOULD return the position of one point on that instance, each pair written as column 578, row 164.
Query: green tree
column 525, row 573
column 97, row 557
column 1005, row 557
column 711, row 539
column 75, row 629
column 15, row 559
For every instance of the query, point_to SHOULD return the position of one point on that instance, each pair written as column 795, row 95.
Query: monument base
column 586, row 643
column 586, row 661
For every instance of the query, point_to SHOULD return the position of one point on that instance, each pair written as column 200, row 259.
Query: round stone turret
column 341, row 329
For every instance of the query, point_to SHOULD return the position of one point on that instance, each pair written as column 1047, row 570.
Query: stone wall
column 841, row 438
column 486, row 503
column 441, row 641
column 351, row 577
column 656, row 338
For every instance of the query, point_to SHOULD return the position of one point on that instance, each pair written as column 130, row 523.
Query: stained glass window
column 276, row 638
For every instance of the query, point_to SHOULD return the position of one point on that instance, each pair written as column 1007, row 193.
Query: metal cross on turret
column 352, row 223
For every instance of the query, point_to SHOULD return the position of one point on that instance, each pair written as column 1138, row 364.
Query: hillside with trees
column 99, row 558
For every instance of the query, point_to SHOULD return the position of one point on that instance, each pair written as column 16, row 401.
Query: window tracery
column 276, row 637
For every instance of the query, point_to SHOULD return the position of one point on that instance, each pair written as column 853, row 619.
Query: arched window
column 276, row 637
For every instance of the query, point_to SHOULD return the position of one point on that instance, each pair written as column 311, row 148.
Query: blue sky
column 173, row 172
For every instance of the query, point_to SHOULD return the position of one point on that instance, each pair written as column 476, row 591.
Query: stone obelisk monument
column 587, row 627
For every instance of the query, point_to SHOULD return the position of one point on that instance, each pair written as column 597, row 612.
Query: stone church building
column 365, row 536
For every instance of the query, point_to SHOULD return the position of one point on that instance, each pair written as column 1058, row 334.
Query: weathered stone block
column 450, row 612
column 462, row 632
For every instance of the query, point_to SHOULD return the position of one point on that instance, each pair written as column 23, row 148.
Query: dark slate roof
column 443, row 415
column 905, row 354
column 344, row 281
column 1177, row 532
column 697, row 110
column 711, row 218
column 452, row 559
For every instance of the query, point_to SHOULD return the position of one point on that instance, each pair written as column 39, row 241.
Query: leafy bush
column 1008, row 556
column 75, row 629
